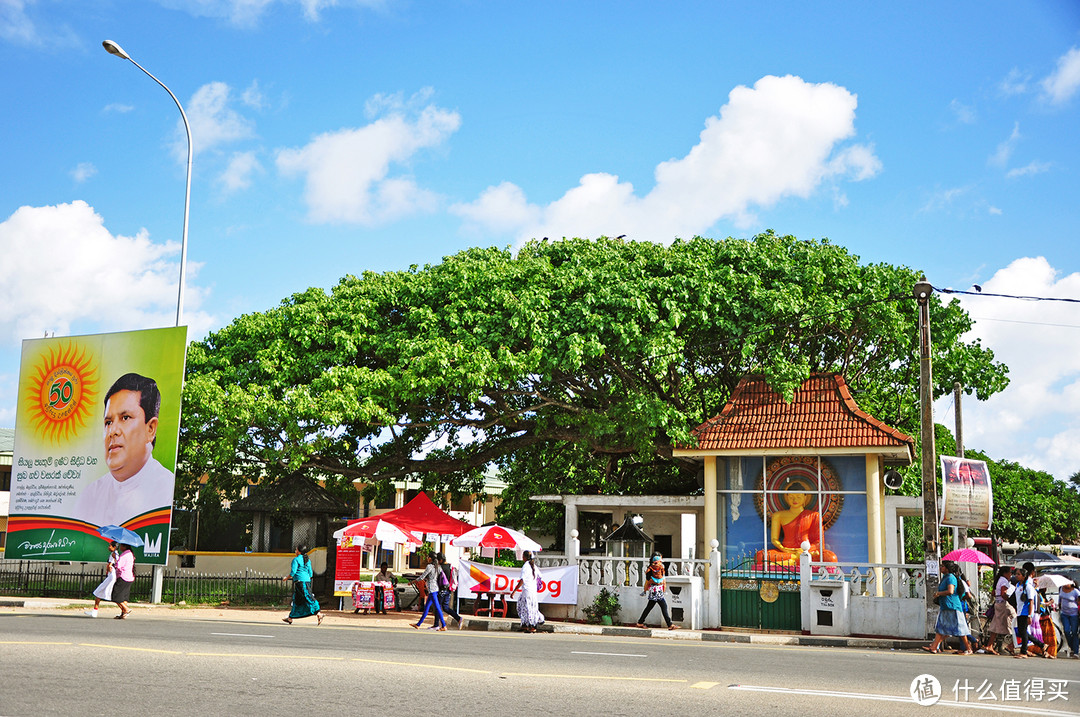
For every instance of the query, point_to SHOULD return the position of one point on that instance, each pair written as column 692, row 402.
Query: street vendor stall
column 420, row 519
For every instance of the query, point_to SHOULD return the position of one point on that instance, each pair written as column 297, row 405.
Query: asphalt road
column 63, row 663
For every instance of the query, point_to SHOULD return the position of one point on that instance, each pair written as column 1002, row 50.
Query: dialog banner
column 96, row 432
column 559, row 583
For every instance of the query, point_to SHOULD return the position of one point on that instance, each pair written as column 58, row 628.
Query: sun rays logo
column 60, row 389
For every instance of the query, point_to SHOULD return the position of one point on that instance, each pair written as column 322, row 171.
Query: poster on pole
column 967, row 498
column 96, row 432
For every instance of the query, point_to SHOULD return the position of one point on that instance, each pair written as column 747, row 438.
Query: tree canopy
column 573, row 365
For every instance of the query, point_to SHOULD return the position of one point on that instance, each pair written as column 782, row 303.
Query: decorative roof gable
column 294, row 493
column 822, row 415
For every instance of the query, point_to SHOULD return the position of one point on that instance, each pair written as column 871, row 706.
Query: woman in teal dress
column 304, row 603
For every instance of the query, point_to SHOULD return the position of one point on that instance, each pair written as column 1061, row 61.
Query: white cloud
column 996, row 211
column 83, row 171
column 1031, row 168
column 1004, row 151
column 943, row 198
column 212, row 121
column 118, row 107
column 111, row 282
column 238, row 173
column 964, row 114
column 253, row 96
column 501, row 209
column 347, row 172
column 1064, row 81
column 19, row 28
column 247, row 13
column 780, row 138
column 1014, row 83
column 1036, row 420
column 15, row 25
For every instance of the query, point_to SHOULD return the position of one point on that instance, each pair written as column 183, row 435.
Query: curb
column 486, row 624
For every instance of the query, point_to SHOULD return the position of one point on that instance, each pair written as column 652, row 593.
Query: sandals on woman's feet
column 318, row 617
column 927, row 648
column 287, row 620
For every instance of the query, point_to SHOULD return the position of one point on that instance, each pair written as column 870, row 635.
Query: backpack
column 963, row 593
column 1041, row 606
column 1012, row 599
column 444, row 581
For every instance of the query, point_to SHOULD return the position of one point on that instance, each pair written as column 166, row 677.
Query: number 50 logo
column 61, row 392
column 60, row 388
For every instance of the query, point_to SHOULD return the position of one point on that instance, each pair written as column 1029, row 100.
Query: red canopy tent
column 423, row 517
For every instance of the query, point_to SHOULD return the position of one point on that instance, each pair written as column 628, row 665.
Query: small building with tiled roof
column 763, row 454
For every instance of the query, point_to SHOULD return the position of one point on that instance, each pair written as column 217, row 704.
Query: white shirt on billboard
column 108, row 501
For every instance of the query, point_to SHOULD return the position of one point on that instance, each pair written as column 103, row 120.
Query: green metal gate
column 762, row 596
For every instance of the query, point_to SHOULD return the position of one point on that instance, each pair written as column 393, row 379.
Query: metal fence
column 46, row 579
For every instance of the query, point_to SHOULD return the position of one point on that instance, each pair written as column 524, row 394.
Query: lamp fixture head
column 113, row 49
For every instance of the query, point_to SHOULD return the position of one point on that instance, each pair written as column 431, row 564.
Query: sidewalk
column 470, row 622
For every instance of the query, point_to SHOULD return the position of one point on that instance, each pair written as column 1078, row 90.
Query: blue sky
column 334, row 137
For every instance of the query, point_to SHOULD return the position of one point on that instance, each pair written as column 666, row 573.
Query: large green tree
column 573, row 365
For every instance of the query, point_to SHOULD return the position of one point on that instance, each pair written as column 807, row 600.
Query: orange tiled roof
column 822, row 415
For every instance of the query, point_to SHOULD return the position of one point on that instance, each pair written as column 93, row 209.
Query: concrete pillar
column 570, row 527
column 710, row 500
column 874, row 517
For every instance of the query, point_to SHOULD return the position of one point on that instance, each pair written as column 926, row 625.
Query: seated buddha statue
column 788, row 529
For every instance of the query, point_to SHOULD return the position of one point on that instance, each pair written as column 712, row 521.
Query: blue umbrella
column 120, row 535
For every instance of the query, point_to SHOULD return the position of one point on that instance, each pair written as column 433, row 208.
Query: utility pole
column 960, row 534
column 932, row 554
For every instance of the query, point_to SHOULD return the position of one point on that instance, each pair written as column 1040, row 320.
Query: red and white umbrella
column 376, row 530
column 497, row 537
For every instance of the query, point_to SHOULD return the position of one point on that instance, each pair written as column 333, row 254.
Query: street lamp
column 113, row 49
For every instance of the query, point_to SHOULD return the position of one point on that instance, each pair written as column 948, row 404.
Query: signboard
column 559, row 583
column 967, row 499
column 96, row 431
column 347, row 565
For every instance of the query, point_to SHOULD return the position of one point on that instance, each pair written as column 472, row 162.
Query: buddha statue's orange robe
column 805, row 526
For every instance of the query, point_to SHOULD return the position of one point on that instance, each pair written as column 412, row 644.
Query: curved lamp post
column 113, row 49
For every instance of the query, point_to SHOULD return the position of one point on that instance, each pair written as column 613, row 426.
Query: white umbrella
column 377, row 530
column 497, row 537
column 1051, row 581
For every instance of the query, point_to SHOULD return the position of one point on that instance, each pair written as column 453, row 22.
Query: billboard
column 96, row 432
column 967, row 498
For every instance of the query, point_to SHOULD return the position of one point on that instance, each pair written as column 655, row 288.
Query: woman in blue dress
column 304, row 603
column 951, row 621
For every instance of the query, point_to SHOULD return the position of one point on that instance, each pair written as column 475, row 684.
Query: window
column 769, row 505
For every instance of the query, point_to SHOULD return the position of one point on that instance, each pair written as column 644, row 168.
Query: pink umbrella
column 969, row 555
column 376, row 529
column 495, row 536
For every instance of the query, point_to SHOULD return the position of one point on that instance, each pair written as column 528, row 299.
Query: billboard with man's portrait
column 967, row 499
column 96, row 431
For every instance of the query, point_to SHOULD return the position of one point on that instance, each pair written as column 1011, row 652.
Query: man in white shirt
column 136, row 483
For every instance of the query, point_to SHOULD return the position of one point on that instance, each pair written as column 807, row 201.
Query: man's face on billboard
column 127, row 434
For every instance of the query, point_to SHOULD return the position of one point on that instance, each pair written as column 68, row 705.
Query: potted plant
column 604, row 608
